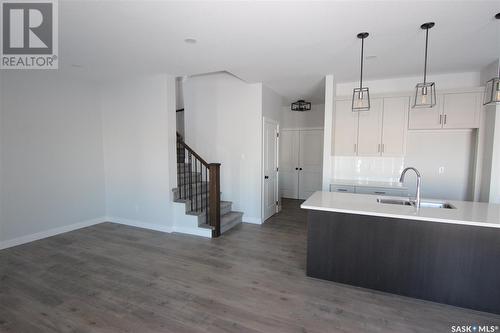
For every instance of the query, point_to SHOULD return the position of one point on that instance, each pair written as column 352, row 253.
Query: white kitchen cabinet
column 346, row 129
column 370, row 129
column 395, row 117
column 301, row 162
column 461, row 110
column 342, row 188
column 426, row 118
column 381, row 131
column 452, row 110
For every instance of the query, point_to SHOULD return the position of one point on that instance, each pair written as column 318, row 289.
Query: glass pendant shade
column 361, row 99
column 425, row 95
column 492, row 91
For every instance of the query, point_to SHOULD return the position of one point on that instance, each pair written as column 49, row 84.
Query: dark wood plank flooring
column 114, row 278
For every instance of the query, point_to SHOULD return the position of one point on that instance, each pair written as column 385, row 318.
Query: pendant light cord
column 362, row 49
column 425, row 63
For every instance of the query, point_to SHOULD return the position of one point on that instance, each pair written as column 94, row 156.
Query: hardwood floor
column 114, row 278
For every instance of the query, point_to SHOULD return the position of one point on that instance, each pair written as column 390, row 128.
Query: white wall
column 271, row 104
column 51, row 155
column 306, row 119
column 404, row 84
column 223, row 122
column 330, row 93
column 444, row 175
column 139, row 156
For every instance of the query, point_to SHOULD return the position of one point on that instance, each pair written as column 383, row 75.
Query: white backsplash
column 386, row 169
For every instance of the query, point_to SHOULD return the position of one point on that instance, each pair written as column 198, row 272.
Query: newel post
column 214, row 198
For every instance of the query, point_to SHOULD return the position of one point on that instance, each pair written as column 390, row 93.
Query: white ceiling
column 289, row 46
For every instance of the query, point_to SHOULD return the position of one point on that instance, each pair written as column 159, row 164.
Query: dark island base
column 441, row 262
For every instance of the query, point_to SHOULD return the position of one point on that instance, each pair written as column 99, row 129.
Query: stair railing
column 199, row 182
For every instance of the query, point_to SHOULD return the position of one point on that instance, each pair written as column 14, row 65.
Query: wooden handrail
column 195, row 173
column 183, row 144
column 214, row 198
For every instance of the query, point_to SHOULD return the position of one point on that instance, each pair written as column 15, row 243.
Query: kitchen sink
column 408, row 202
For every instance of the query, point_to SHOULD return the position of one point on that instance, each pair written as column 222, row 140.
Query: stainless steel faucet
column 419, row 178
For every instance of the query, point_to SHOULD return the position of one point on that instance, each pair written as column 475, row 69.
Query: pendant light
column 361, row 95
column 425, row 94
column 492, row 89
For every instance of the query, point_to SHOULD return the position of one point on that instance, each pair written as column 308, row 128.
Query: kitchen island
column 447, row 255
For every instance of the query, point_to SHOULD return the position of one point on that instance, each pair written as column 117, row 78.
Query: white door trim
column 276, row 154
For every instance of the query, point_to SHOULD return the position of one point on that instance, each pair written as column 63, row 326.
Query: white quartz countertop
column 368, row 183
column 465, row 212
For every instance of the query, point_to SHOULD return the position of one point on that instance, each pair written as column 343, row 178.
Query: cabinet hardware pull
column 378, row 149
column 341, row 190
column 440, row 119
column 378, row 192
column 383, row 148
column 445, row 119
column 266, row 177
column 355, row 148
column 296, row 168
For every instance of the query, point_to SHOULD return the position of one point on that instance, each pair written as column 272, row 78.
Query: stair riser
column 227, row 226
column 223, row 211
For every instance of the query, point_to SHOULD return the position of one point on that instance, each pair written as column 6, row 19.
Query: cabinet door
column 370, row 129
column 310, row 162
column 345, row 133
column 426, row 118
column 461, row 110
column 289, row 164
column 394, row 126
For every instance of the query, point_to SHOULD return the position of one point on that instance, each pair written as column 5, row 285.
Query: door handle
column 266, row 177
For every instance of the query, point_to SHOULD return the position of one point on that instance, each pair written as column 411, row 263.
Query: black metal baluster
column 196, row 184
column 185, row 175
column 206, row 195
column 191, row 180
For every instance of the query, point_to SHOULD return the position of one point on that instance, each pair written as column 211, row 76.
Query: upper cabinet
column 345, row 134
column 394, row 126
column 452, row 110
column 381, row 131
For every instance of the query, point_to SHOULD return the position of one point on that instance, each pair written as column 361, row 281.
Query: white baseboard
column 192, row 231
column 49, row 233
column 252, row 220
column 139, row 224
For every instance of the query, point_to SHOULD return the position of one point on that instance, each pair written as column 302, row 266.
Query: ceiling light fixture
column 300, row 105
column 492, row 89
column 190, row 41
column 425, row 94
column 361, row 95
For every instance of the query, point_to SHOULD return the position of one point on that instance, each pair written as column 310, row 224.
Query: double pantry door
column 301, row 162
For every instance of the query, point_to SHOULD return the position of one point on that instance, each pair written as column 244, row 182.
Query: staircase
column 198, row 187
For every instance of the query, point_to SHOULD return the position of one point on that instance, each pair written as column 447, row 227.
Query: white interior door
column 310, row 162
column 270, row 163
column 289, row 164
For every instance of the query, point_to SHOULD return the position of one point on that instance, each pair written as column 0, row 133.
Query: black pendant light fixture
column 492, row 89
column 301, row 105
column 425, row 94
column 361, row 95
